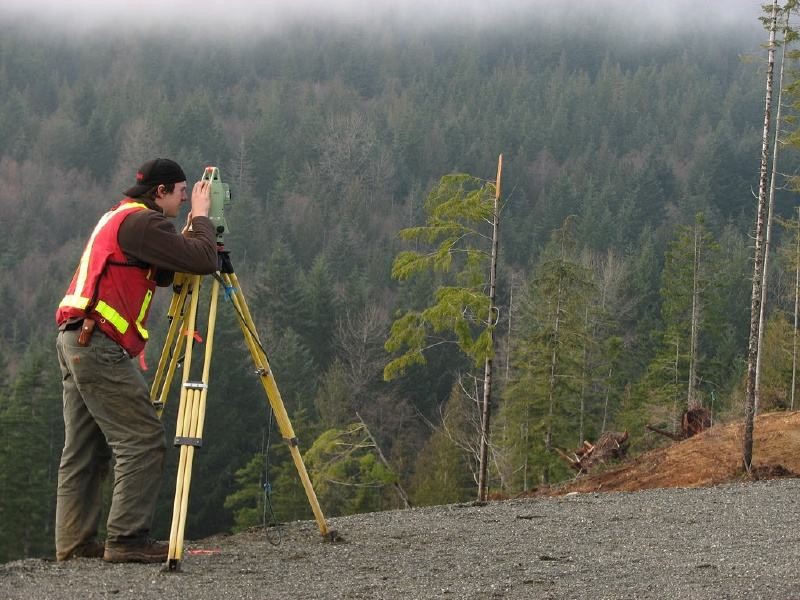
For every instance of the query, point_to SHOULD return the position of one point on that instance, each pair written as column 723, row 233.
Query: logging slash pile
column 702, row 455
column 610, row 446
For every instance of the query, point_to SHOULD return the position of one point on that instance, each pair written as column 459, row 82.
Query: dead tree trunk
column 695, row 321
column 487, row 371
column 758, row 263
column 796, row 306
column 770, row 205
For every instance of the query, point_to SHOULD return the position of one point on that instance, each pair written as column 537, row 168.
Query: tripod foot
column 332, row 536
column 173, row 565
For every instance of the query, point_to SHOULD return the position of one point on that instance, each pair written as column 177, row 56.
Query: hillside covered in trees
column 631, row 156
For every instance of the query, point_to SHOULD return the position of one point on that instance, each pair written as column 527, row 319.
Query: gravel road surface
column 731, row 541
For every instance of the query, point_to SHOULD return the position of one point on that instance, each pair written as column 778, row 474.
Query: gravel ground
column 731, row 541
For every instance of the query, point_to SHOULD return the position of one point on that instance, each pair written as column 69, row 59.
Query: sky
column 111, row 16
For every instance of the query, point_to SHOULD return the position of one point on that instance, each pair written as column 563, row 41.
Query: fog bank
column 239, row 17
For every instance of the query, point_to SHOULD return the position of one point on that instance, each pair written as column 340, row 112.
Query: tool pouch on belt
column 87, row 329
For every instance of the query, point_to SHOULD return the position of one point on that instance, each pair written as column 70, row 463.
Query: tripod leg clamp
column 188, row 441
column 195, row 385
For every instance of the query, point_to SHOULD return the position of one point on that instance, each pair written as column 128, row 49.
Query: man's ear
column 161, row 190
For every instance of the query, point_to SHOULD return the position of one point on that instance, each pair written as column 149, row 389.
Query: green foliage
column 334, row 397
column 289, row 498
column 775, row 391
column 295, row 371
column 458, row 209
column 687, row 290
column 321, row 308
column 442, row 476
column 540, row 404
column 30, row 440
column 346, row 471
column 247, row 502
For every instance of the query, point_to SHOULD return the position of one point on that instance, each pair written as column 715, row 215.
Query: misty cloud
column 240, row 17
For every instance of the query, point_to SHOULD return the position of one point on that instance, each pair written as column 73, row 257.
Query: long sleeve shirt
column 150, row 237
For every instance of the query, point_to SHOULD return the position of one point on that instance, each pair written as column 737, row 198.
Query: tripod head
column 220, row 196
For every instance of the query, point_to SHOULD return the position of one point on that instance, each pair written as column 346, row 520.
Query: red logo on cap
column 139, row 176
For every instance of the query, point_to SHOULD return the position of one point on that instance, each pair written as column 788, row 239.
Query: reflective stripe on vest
column 143, row 314
column 112, row 316
column 74, row 301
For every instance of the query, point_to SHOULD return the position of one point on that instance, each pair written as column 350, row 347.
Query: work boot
column 150, row 551
column 91, row 549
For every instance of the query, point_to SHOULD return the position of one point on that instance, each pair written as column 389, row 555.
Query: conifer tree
column 463, row 217
column 676, row 370
column 320, row 307
column 31, row 438
column 295, row 370
column 247, row 502
column 457, row 210
column 277, row 293
column 540, row 408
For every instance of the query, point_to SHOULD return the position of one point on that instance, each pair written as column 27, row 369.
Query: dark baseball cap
column 155, row 172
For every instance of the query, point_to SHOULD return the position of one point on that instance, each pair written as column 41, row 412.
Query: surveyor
column 102, row 326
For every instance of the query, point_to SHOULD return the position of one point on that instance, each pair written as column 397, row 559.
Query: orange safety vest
column 107, row 288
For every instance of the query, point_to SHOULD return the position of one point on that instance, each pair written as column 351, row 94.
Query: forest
column 625, row 259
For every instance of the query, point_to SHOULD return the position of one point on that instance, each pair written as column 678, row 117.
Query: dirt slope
column 710, row 458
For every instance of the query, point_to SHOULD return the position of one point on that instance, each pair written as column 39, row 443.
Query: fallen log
column 673, row 436
column 610, row 446
column 693, row 421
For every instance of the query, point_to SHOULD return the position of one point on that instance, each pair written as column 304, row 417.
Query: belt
column 71, row 325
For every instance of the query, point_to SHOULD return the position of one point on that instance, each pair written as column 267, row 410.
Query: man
column 102, row 325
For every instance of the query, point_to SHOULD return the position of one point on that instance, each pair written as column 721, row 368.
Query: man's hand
column 201, row 199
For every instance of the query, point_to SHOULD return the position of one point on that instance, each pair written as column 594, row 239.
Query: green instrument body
column 220, row 198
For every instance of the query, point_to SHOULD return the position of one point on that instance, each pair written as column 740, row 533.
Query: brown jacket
column 150, row 237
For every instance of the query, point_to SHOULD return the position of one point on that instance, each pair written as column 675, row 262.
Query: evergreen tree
column 320, row 306
column 675, row 373
column 640, row 306
column 457, row 209
column 539, row 412
column 31, row 438
column 248, row 501
column 334, row 401
column 295, row 371
column 277, row 292
column 776, row 376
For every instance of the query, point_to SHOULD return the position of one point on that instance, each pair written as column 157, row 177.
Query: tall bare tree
column 487, row 371
column 771, row 204
column 796, row 306
column 692, row 401
column 758, row 263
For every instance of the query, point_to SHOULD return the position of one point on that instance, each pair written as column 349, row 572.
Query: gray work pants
column 106, row 409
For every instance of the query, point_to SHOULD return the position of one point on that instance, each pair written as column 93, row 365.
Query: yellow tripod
column 191, row 411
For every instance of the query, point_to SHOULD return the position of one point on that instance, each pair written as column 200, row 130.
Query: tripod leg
column 169, row 358
column 274, row 397
column 189, row 426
